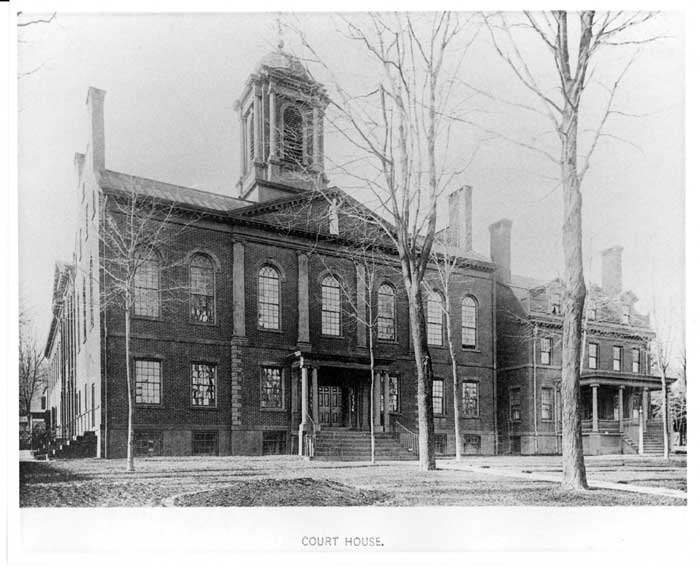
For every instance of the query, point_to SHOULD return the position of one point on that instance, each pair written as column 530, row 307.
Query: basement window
column 205, row 443
column 274, row 443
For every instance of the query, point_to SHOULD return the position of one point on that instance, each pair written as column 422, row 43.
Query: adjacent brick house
column 263, row 326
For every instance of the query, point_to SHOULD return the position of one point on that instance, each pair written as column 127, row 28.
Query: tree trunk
column 129, row 394
column 572, row 445
column 424, row 378
column 371, row 398
column 455, row 381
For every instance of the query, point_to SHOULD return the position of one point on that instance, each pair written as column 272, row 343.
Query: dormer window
column 293, row 136
column 556, row 304
column 626, row 315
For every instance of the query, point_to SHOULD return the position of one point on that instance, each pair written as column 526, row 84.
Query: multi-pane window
column 148, row 442
column 556, row 303
column 147, row 286
column 202, row 289
column 435, row 318
column 635, row 360
column 547, row 403
column 293, row 136
column 203, row 384
column 592, row 355
column 617, row 358
column 271, row 387
column 470, row 399
column 393, row 393
column 472, row 444
column 469, row 322
column 515, row 404
column 330, row 306
column 626, row 315
column 546, row 350
column 386, row 312
column 92, row 294
column 274, row 443
column 205, row 443
column 148, row 381
column 440, row 443
column 438, row 396
column 268, row 298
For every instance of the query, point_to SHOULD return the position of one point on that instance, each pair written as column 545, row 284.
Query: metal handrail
column 405, row 437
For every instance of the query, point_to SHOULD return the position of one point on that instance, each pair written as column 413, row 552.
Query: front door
column 330, row 405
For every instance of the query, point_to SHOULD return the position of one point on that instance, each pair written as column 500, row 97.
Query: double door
column 330, row 405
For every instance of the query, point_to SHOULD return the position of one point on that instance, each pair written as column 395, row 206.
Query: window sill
column 471, row 417
column 270, row 330
column 325, row 336
column 471, row 349
column 148, row 405
column 387, row 341
column 198, row 407
column 147, row 318
column 272, row 409
column 203, row 323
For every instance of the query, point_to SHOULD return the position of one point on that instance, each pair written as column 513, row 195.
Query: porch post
column 645, row 407
column 304, row 407
column 386, row 401
column 620, row 406
column 377, row 399
column 594, row 389
column 314, row 394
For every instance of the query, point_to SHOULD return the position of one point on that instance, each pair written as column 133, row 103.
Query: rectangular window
column 274, row 443
column 205, row 443
column 271, row 388
column 547, row 403
column 435, row 319
column 148, row 381
column 203, row 384
column 43, row 402
column 546, row 350
column 617, row 358
column 592, row 355
column 635, row 360
column 471, row 444
column 330, row 307
column 515, row 405
column 470, row 399
column 147, row 289
column 440, row 443
column 438, row 396
column 148, row 443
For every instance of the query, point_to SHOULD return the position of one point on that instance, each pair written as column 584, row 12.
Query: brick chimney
column 611, row 270
column 459, row 230
column 96, row 152
column 500, row 247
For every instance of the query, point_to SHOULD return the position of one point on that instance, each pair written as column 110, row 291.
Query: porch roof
column 356, row 361
column 621, row 379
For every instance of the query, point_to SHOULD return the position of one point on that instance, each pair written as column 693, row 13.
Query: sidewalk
column 26, row 455
column 536, row 476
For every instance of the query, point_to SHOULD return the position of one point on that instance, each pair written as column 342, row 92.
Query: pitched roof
column 168, row 191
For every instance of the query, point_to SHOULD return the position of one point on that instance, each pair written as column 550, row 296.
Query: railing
column 308, row 441
column 405, row 437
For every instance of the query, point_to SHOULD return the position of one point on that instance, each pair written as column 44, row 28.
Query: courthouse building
column 262, row 343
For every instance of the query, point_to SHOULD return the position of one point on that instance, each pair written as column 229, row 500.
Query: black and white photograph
column 351, row 263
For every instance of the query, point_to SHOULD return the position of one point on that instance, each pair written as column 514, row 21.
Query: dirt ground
column 289, row 481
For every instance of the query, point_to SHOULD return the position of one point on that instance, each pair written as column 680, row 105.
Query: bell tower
column 281, row 113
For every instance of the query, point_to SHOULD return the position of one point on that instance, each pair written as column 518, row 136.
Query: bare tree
column 32, row 373
column 400, row 130
column 573, row 49
column 25, row 23
column 135, row 233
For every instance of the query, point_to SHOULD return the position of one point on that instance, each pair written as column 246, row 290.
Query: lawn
column 289, row 481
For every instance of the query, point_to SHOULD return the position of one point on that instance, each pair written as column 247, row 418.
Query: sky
column 172, row 81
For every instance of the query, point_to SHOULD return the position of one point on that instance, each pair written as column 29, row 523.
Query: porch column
column 314, row 395
column 386, row 402
column 645, row 407
column 594, row 389
column 304, row 407
column 377, row 399
column 620, row 406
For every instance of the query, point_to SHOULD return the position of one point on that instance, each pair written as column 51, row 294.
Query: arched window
column 293, row 135
column 147, row 285
column 386, row 312
column 330, row 306
column 268, row 298
column 469, row 322
column 202, row 289
column 435, row 318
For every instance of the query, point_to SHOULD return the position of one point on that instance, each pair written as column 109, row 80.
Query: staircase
column 653, row 441
column 84, row 446
column 341, row 444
